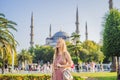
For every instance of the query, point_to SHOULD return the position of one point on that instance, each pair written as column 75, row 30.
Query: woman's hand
column 59, row 65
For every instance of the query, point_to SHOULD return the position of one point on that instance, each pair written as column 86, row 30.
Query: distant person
column 101, row 67
column 86, row 67
column 77, row 67
column 93, row 66
column 61, row 60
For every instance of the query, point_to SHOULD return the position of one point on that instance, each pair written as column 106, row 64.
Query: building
column 53, row 40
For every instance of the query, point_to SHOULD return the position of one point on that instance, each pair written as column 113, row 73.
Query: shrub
column 30, row 77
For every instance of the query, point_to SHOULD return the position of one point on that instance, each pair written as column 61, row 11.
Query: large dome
column 61, row 34
column 53, row 40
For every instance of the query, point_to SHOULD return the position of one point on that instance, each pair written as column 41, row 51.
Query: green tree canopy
column 43, row 53
column 111, row 34
column 24, row 55
column 91, row 52
column 7, row 40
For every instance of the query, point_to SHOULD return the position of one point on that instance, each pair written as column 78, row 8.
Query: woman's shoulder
column 66, row 53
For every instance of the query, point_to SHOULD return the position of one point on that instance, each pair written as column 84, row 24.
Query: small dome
column 61, row 34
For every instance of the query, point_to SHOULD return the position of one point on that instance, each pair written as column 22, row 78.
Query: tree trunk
column 23, row 65
column 118, row 71
column 114, row 64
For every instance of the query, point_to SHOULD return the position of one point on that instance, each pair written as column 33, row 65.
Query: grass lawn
column 97, row 75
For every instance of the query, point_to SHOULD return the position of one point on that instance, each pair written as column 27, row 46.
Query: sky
column 61, row 14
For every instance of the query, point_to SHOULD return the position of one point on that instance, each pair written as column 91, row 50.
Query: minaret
column 86, row 32
column 50, row 31
column 110, row 4
column 77, row 22
column 31, row 34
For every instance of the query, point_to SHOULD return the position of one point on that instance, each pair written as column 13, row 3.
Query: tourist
column 61, row 60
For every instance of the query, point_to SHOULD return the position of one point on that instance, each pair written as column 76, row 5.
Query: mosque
column 51, row 40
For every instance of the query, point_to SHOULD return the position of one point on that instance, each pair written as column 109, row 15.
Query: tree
column 84, row 54
column 24, row 57
column 75, row 37
column 7, row 41
column 92, row 51
column 111, row 34
column 91, row 46
column 76, row 46
column 43, row 53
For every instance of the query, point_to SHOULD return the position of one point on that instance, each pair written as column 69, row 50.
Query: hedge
column 30, row 77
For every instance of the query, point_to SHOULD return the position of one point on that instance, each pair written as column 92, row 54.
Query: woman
column 61, row 60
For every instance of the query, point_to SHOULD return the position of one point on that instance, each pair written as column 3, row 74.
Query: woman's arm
column 68, row 59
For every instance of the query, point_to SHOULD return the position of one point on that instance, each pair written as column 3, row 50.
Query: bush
column 29, row 77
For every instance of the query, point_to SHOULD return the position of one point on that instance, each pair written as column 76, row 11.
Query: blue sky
column 61, row 14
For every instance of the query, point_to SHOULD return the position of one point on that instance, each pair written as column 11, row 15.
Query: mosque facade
column 52, row 40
